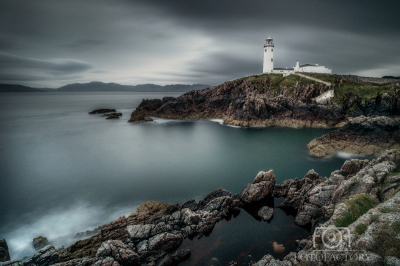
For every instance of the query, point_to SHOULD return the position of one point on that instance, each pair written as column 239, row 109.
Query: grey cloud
column 82, row 45
column 55, row 66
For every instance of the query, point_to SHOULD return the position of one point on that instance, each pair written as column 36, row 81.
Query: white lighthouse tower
column 268, row 66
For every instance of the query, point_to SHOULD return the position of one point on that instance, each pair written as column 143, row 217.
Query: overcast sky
column 51, row 43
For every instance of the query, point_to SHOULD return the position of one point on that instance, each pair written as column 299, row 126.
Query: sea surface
column 64, row 171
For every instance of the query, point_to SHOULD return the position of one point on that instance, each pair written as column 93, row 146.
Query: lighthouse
column 268, row 66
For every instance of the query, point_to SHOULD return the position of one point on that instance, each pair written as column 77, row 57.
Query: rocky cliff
column 273, row 100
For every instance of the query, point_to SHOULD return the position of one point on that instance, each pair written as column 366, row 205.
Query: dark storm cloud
column 140, row 41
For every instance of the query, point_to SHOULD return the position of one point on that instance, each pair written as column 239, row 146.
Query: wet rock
column 261, row 187
column 190, row 204
column 175, row 258
column 4, row 254
column 113, row 115
column 102, row 111
column 166, row 242
column 40, row 242
column 118, row 251
column 213, row 195
column 140, row 231
column 266, row 213
column 45, row 256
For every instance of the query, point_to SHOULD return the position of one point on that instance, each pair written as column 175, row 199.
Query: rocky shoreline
column 152, row 234
column 362, row 135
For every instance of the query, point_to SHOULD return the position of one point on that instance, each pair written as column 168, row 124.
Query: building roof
column 284, row 68
column 308, row 65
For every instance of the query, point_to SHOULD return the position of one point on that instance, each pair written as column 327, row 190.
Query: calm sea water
column 64, row 171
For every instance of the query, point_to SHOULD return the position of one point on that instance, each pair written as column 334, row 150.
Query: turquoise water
column 65, row 171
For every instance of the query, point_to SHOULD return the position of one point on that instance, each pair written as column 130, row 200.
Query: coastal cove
column 66, row 171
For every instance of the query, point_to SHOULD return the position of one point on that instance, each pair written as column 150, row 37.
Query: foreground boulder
column 362, row 135
column 4, row 254
column 261, row 187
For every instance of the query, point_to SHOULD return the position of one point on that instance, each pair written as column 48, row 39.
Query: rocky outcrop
column 362, row 135
column 40, row 242
column 45, row 256
column 259, row 188
column 4, row 254
column 102, row 111
column 113, row 115
column 324, row 201
column 266, row 100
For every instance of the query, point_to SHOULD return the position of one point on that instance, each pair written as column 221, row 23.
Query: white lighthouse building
column 268, row 66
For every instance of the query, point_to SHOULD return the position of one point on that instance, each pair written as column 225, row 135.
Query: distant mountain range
column 106, row 87
column 17, row 88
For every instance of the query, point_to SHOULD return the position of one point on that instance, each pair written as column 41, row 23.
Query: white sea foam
column 347, row 155
column 60, row 227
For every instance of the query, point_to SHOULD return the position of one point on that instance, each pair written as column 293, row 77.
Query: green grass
column 361, row 228
column 390, row 209
column 356, row 207
column 395, row 172
column 386, row 243
column 363, row 91
column 374, row 218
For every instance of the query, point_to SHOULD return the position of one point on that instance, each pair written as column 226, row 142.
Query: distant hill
column 96, row 86
column 391, row 77
column 17, row 88
column 109, row 87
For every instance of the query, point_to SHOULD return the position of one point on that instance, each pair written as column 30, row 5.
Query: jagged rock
column 213, row 195
column 151, row 207
column 362, row 135
column 191, row 204
column 175, row 258
column 261, row 187
column 45, row 256
column 40, row 242
column 12, row 263
column 165, row 242
column 113, row 115
column 4, row 254
column 118, row 251
column 102, row 111
column 266, row 213
column 140, row 231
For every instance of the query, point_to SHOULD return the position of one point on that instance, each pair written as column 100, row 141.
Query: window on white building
column 272, row 50
column 265, row 49
column 272, row 60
